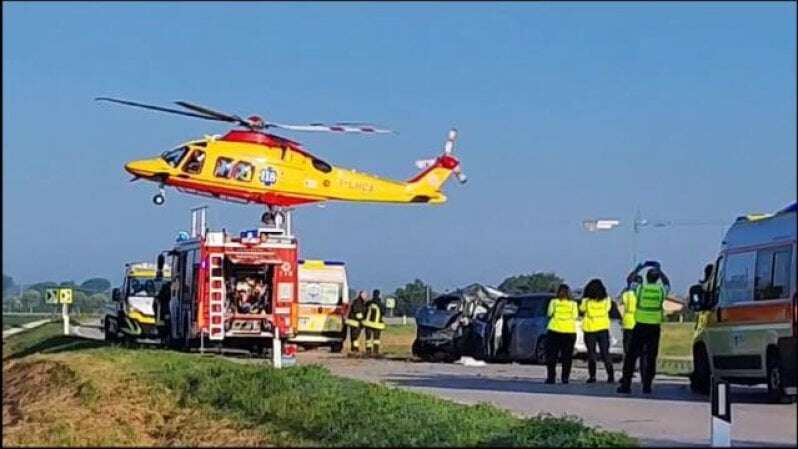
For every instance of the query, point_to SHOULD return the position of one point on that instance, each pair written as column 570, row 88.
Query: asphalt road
column 671, row 416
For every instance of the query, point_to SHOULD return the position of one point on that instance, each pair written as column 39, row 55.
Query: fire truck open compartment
column 214, row 272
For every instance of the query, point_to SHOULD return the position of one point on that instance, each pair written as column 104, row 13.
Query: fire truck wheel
column 337, row 347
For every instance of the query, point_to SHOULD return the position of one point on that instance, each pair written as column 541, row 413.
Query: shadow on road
column 664, row 390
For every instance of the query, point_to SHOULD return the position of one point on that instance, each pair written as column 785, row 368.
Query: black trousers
column 559, row 345
column 602, row 338
column 627, row 341
column 354, row 338
column 644, row 345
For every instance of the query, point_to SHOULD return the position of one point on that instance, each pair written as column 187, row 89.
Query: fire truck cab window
column 243, row 171
column 195, row 162
column 173, row 157
column 224, row 167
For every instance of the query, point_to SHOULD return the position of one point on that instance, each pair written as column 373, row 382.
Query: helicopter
column 251, row 165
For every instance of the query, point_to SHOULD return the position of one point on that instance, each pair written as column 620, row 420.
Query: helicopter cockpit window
column 243, row 171
column 173, row 157
column 195, row 162
column 224, row 167
column 321, row 166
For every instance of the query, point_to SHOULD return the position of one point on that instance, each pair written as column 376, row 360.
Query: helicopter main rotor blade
column 336, row 128
column 155, row 108
column 218, row 115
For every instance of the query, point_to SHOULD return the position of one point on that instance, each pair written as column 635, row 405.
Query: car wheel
column 540, row 350
column 700, row 378
column 337, row 347
column 776, row 391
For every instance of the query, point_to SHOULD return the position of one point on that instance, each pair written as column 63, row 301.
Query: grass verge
column 294, row 406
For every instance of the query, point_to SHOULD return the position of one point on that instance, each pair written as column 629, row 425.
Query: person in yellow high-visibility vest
column 374, row 323
column 629, row 303
column 596, row 306
column 354, row 320
column 560, row 334
column 646, row 333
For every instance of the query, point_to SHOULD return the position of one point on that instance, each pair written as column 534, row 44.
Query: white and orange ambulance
column 746, row 328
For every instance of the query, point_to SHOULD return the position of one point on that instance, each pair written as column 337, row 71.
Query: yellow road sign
column 65, row 295
column 51, row 296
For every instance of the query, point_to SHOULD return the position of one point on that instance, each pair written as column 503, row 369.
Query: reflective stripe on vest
column 563, row 319
column 650, row 298
column 628, row 299
column 597, row 315
column 374, row 318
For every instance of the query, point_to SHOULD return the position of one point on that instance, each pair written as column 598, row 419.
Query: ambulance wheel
column 110, row 336
column 776, row 391
column 337, row 347
column 700, row 378
column 158, row 199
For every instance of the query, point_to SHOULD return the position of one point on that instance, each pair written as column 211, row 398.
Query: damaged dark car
column 443, row 328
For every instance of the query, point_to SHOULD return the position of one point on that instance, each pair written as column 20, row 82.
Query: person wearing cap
column 354, row 320
column 644, row 343
column 374, row 323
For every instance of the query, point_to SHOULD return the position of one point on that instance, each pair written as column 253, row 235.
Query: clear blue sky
column 565, row 111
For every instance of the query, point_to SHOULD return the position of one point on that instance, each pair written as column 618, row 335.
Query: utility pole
column 639, row 222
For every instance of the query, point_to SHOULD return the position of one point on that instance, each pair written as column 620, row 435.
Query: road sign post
column 721, row 413
column 65, row 298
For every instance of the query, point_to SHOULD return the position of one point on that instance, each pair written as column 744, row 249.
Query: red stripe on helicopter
column 270, row 198
column 444, row 161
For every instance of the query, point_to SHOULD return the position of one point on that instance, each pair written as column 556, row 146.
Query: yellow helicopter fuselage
column 251, row 166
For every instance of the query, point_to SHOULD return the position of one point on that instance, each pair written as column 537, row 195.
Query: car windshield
column 143, row 287
column 320, row 293
column 173, row 157
column 447, row 302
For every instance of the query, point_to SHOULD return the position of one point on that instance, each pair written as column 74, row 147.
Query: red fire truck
column 232, row 291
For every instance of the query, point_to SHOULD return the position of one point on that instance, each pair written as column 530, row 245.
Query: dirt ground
column 46, row 403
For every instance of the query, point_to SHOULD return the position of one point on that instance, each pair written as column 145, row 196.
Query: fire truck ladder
column 217, row 294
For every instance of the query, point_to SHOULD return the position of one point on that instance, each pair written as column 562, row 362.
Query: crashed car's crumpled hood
column 471, row 296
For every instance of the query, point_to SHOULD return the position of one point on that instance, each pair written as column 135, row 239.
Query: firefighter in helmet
column 374, row 323
column 354, row 320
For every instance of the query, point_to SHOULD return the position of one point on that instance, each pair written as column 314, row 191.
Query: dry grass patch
column 47, row 403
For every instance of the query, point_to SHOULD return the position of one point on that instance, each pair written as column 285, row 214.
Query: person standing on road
column 374, row 323
column 596, row 305
column 645, row 336
column 354, row 320
column 629, row 303
column 561, row 334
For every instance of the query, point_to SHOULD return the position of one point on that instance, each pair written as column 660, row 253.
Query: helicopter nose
column 138, row 168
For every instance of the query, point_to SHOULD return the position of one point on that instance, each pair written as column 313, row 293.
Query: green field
column 66, row 391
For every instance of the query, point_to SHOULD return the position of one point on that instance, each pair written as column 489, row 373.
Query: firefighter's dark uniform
column 354, row 320
column 374, row 324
